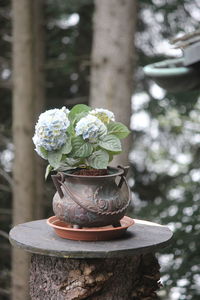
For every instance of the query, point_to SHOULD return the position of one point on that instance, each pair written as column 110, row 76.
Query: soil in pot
column 91, row 172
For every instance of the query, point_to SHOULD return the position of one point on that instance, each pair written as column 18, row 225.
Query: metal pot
column 91, row 201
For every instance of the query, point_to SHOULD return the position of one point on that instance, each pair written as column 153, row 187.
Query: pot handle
column 58, row 179
column 123, row 175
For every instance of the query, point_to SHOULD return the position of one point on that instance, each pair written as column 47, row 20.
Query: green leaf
column 44, row 152
column 69, row 163
column 110, row 156
column 72, row 161
column 67, row 147
column 98, row 160
column 81, row 148
column 80, row 116
column 54, row 158
column 70, row 130
column 76, row 110
column 118, row 129
column 49, row 168
column 111, row 143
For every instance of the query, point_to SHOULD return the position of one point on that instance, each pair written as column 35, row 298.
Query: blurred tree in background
column 165, row 156
column 6, row 147
column 112, row 62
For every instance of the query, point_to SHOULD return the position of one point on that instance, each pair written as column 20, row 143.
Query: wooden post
column 121, row 269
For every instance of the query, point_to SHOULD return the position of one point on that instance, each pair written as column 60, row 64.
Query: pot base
column 66, row 230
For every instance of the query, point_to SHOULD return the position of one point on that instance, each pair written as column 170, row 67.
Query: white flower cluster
column 91, row 128
column 50, row 130
column 70, row 132
column 102, row 114
column 65, row 110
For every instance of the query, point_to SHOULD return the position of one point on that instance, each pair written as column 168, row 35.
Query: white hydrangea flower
column 65, row 110
column 90, row 127
column 50, row 130
column 102, row 114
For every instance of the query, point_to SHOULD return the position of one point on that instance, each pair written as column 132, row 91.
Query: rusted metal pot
column 91, row 201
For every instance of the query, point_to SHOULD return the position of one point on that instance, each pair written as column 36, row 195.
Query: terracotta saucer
column 65, row 230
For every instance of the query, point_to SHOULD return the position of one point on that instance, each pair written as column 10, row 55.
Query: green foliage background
column 165, row 155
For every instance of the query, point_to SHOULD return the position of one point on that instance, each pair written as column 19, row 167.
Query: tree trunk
column 23, row 108
column 27, row 91
column 126, row 278
column 112, row 61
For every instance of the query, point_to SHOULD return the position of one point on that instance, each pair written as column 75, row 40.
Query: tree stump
column 121, row 269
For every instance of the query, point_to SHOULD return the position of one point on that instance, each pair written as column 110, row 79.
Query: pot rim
column 117, row 172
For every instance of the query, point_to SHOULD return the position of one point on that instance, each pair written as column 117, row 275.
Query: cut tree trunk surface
column 142, row 237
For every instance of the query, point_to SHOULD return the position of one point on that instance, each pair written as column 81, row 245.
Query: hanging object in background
column 179, row 74
column 190, row 44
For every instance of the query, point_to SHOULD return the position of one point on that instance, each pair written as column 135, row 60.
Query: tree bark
column 127, row 278
column 27, row 93
column 112, row 61
column 23, row 108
